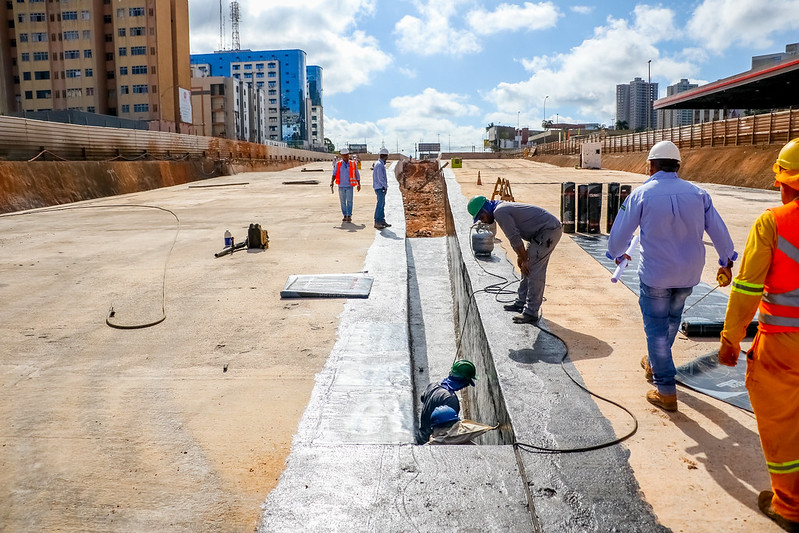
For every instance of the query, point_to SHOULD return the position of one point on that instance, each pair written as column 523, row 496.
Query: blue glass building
column 257, row 67
column 314, row 75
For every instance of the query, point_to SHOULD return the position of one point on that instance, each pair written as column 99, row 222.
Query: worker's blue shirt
column 673, row 216
column 379, row 177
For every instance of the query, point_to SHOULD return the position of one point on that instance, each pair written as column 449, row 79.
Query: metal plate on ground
column 704, row 320
column 327, row 286
column 724, row 383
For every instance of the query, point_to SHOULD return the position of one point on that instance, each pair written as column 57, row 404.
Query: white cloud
column 432, row 103
column 508, row 17
column 429, row 116
column 582, row 10
column 432, row 34
column 334, row 42
column 720, row 24
column 586, row 76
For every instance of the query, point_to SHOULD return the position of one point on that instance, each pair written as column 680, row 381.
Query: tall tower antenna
column 234, row 22
column 221, row 27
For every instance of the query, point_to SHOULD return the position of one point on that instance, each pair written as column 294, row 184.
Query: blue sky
column 397, row 72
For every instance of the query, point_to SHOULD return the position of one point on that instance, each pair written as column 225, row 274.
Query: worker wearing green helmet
column 461, row 375
column 541, row 230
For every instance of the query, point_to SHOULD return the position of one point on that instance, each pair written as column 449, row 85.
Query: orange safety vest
column 351, row 165
column 779, row 305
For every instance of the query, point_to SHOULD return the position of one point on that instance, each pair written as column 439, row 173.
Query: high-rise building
column 670, row 118
column 317, row 121
column 128, row 58
column 634, row 104
column 282, row 73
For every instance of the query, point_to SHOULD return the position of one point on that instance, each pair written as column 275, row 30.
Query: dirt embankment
column 741, row 166
column 422, row 187
column 29, row 185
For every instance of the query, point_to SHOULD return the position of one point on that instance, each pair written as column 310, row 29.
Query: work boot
column 513, row 307
column 349, row 218
column 764, row 504
column 664, row 401
column 378, row 225
column 647, row 369
column 344, row 219
column 524, row 318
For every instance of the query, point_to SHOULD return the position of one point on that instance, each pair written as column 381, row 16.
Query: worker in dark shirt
column 461, row 375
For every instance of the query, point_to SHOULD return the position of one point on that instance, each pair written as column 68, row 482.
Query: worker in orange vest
column 351, row 178
column 768, row 282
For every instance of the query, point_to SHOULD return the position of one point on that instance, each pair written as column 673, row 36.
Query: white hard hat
column 664, row 150
column 345, row 151
column 383, row 151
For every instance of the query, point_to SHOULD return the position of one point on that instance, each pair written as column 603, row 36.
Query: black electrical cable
column 532, row 447
column 111, row 311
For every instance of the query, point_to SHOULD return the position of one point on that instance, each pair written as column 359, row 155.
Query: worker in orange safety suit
column 768, row 282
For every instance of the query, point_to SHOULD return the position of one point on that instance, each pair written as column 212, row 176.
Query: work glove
column 728, row 354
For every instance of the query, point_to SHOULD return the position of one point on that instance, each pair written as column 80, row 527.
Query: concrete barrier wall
column 484, row 402
column 22, row 139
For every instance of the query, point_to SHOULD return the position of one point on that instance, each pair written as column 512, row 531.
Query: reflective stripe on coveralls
column 749, row 289
column 351, row 166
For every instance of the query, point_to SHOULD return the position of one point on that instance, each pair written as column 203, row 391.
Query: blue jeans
column 345, row 197
column 380, row 215
column 662, row 313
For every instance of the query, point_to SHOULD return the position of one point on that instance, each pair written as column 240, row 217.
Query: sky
column 400, row 72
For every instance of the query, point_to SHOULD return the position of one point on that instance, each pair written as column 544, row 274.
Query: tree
column 622, row 125
column 329, row 146
column 546, row 124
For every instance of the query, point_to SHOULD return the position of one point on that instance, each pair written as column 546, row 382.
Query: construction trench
column 353, row 463
column 307, row 407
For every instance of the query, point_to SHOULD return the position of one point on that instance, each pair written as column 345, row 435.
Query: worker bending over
column 768, row 282
column 673, row 216
column 461, row 375
column 523, row 222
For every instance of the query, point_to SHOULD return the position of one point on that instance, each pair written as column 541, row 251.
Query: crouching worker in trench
column 523, row 222
column 448, row 428
column 461, row 375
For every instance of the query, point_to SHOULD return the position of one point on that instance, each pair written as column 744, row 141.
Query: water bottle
column 228, row 239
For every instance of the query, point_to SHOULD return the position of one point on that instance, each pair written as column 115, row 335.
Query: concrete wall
column 485, row 401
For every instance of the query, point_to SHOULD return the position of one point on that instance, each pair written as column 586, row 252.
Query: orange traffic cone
column 479, row 182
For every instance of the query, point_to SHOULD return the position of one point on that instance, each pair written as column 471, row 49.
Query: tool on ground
column 231, row 249
column 624, row 262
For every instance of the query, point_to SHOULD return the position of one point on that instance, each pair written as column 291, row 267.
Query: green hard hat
column 475, row 205
column 463, row 369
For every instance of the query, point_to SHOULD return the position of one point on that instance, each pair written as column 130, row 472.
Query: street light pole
column 545, row 108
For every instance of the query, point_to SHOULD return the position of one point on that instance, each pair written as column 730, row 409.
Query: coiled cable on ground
column 500, row 288
column 111, row 311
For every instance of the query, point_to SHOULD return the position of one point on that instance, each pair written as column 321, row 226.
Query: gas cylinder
column 482, row 240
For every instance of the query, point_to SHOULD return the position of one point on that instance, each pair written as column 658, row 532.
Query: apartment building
column 634, row 104
column 232, row 109
column 127, row 58
column 282, row 74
